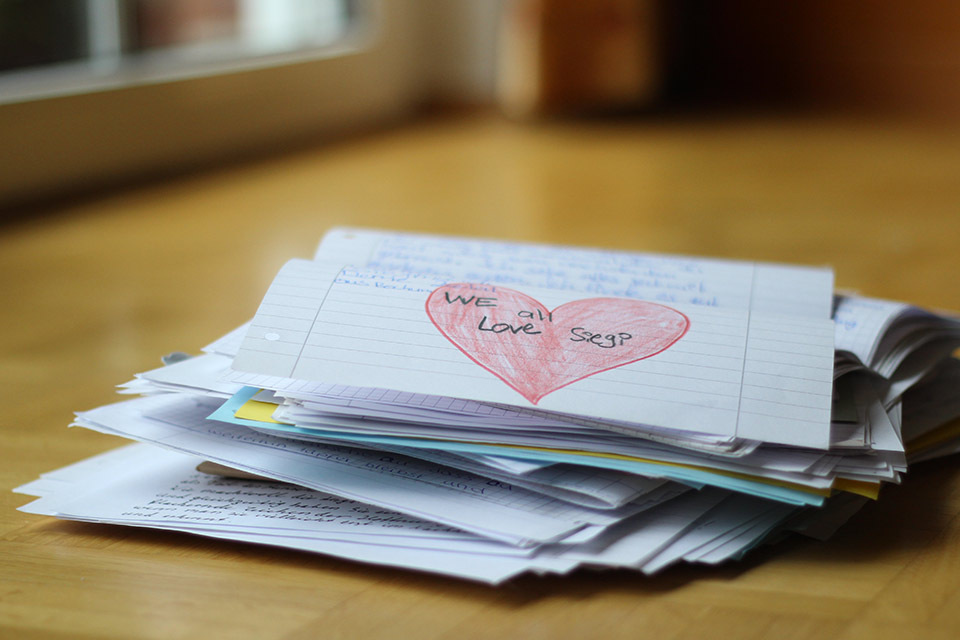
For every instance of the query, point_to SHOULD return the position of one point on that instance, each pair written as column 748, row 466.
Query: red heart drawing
column 537, row 351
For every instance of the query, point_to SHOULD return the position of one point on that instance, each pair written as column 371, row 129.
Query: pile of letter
column 483, row 409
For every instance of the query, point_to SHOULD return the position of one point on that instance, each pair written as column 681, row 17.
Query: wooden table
column 96, row 290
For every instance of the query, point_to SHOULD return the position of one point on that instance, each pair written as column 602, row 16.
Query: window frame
column 138, row 124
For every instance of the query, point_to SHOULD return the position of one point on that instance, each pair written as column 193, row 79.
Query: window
column 55, row 47
column 97, row 91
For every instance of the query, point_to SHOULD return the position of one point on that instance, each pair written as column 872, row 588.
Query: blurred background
column 98, row 93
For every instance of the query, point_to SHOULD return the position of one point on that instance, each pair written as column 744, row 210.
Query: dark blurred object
column 563, row 56
column 38, row 32
column 879, row 54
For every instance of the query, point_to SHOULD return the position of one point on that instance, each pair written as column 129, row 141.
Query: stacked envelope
column 484, row 409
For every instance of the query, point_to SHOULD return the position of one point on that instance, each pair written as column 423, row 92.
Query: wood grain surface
column 96, row 290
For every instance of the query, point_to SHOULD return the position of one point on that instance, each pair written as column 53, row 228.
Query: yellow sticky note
column 258, row 411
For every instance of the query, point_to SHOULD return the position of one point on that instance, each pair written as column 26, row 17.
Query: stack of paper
column 485, row 409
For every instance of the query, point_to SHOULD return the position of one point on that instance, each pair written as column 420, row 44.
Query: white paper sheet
column 728, row 372
column 165, row 492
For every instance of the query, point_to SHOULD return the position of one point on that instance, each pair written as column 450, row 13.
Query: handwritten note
column 167, row 493
column 724, row 371
column 762, row 287
column 861, row 322
column 536, row 350
column 183, row 495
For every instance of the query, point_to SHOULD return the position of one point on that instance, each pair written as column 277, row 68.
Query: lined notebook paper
column 746, row 369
